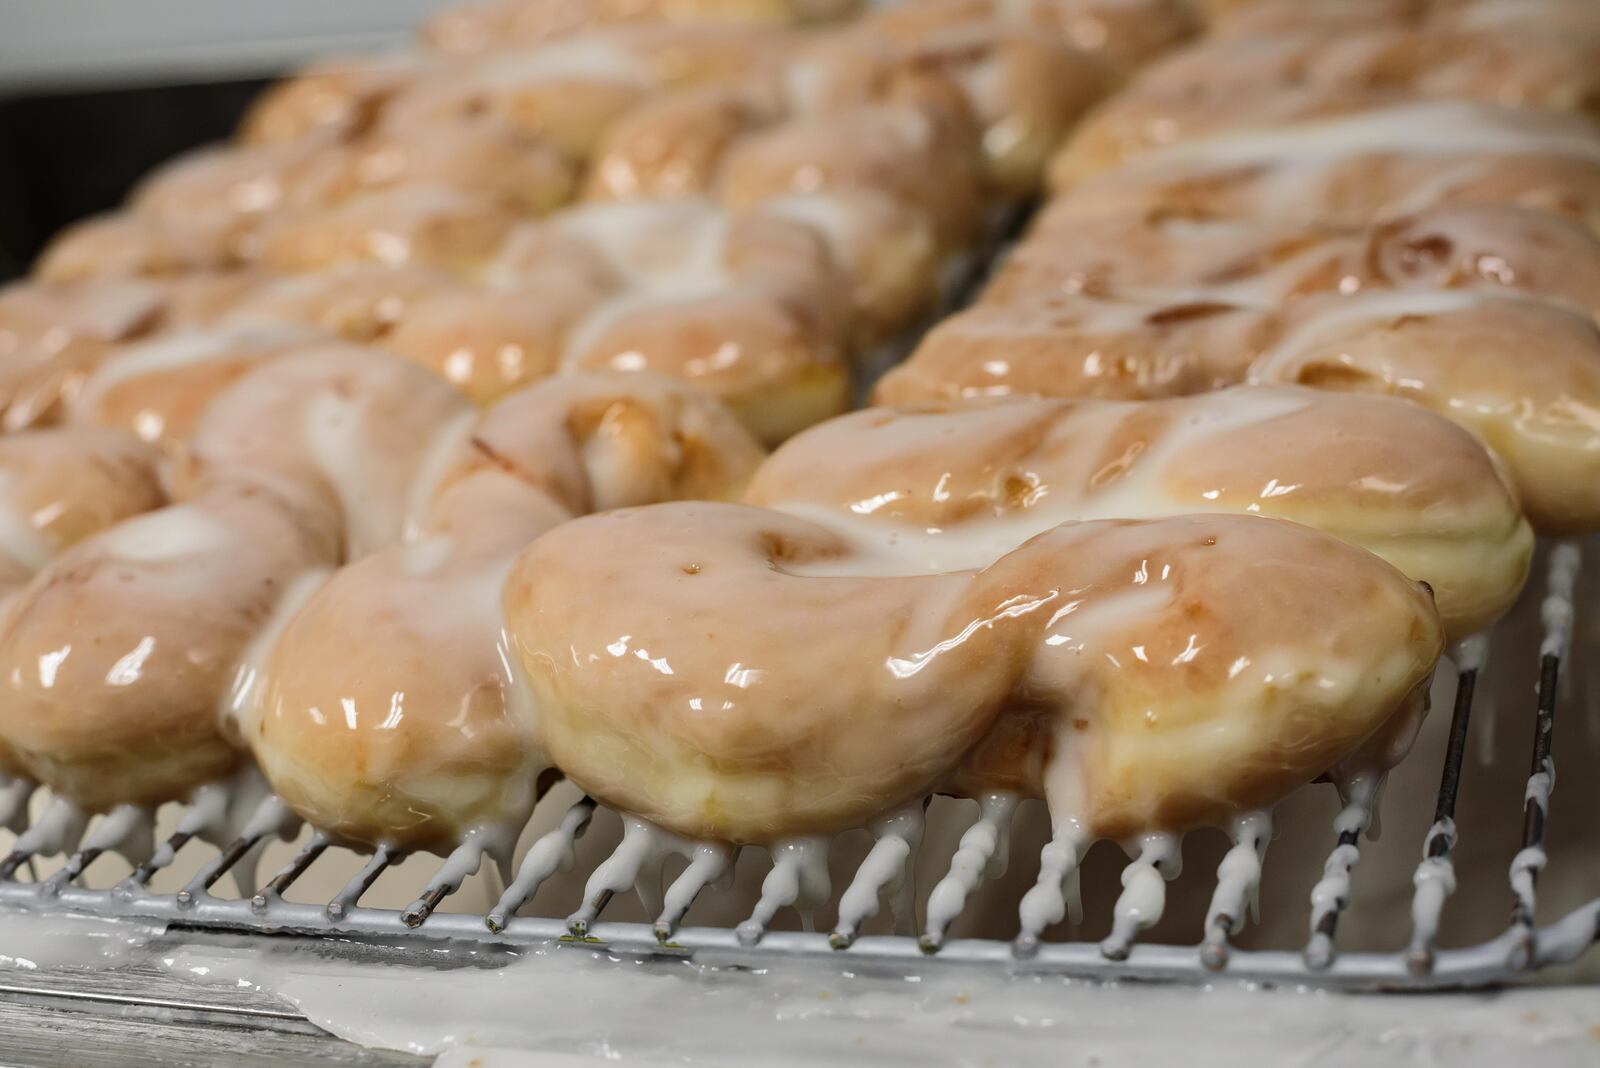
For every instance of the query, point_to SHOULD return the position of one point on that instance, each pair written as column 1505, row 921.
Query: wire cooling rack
column 794, row 879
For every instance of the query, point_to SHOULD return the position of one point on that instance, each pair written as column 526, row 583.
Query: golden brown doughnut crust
column 783, row 686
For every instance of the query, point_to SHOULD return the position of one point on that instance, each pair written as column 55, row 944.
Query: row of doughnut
column 276, row 429
column 413, row 447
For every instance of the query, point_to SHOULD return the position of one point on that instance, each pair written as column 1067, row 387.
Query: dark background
column 67, row 155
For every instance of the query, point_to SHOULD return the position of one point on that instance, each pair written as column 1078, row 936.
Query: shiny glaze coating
column 53, row 336
column 783, row 684
column 1493, row 248
column 495, row 24
column 1124, row 33
column 1224, row 82
column 59, row 486
column 749, row 307
column 950, row 487
column 1025, row 89
column 116, row 655
column 159, row 389
column 1523, row 375
column 62, row 484
column 383, row 711
column 339, row 98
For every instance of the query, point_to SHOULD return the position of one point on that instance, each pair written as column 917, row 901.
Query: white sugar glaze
column 564, row 1001
column 1439, row 127
column 882, row 547
column 54, row 939
column 1238, row 883
column 20, row 539
column 982, row 854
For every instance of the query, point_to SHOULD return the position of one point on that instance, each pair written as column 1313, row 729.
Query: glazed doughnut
column 1262, row 18
column 120, row 651
column 495, row 24
column 753, row 307
column 790, row 681
column 53, row 335
column 1025, row 90
column 122, row 244
column 747, row 307
column 1494, row 248
column 428, row 748
column 1523, row 375
column 60, row 485
column 335, row 98
column 427, row 226
column 1222, row 84
column 229, row 185
column 1125, row 33
column 490, row 342
column 925, row 155
column 57, row 487
column 362, row 302
column 159, row 389
column 479, row 157
column 43, row 323
column 887, row 243
column 566, row 93
column 889, row 250
column 953, row 483
column 673, row 145
column 1346, row 170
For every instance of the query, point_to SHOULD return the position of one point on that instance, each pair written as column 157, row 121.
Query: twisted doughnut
column 946, row 489
column 1523, row 375
column 1160, row 673
column 383, row 711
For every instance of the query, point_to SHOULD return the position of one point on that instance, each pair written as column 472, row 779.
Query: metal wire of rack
column 1522, row 948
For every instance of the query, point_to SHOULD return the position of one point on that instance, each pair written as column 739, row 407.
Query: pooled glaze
column 717, row 720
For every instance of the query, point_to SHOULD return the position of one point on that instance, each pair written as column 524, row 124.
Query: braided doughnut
column 121, row 244
column 1223, row 84
column 960, row 484
column 748, row 307
column 119, row 651
column 1348, row 169
column 1263, row 18
column 339, row 98
column 1124, row 33
column 1025, row 89
column 58, row 487
column 751, row 307
column 1490, row 247
column 388, row 725
column 1160, row 672
column 566, row 93
column 159, row 389
column 497, row 24
column 124, row 648
column 53, row 335
column 1523, row 375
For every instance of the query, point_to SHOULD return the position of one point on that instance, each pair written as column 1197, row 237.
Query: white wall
column 62, row 43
